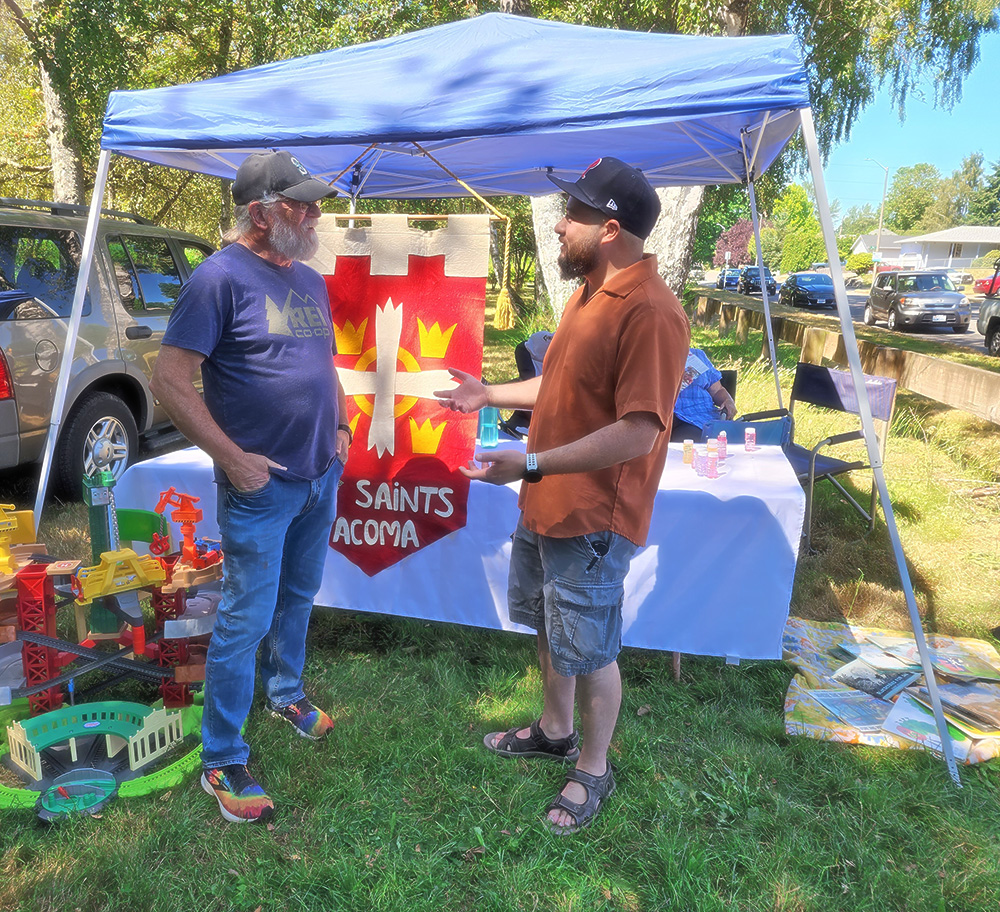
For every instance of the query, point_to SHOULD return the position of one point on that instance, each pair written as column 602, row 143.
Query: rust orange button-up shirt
column 621, row 350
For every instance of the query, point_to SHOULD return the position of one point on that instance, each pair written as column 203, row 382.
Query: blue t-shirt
column 268, row 342
column 694, row 402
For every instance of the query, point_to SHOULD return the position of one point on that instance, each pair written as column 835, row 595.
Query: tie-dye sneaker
column 240, row 797
column 308, row 720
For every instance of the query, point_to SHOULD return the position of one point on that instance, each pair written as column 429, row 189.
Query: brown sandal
column 535, row 745
column 598, row 789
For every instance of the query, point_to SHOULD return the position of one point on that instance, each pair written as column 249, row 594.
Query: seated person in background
column 702, row 398
column 528, row 356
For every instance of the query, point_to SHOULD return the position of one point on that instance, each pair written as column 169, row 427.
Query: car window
column 907, row 283
column 934, row 282
column 147, row 275
column 883, row 281
column 195, row 255
column 816, row 281
column 38, row 271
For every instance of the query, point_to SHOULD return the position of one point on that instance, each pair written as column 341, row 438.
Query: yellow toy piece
column 16, row 527
column 118, row 571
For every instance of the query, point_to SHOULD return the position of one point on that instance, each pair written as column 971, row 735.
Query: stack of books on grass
column 883, row 690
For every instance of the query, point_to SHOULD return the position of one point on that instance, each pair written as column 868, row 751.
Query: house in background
column 889, row 246
column 953, row 247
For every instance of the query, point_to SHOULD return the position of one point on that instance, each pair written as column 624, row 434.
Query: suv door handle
column 138, row 332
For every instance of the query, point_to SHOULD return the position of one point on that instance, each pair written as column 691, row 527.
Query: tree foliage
column 911, row 193
column 984, row 209
column 735, row 242
column 858, row 220
column 861, row 263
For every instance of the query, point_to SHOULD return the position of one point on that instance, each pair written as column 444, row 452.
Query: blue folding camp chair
column 834, row 389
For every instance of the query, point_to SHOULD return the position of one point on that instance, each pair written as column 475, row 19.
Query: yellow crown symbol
column 426, row 438
column 349, row 339
column 433, row 342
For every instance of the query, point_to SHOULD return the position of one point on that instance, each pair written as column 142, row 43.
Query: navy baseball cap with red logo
column 617, row 190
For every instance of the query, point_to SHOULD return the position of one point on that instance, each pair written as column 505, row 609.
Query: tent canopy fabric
column 500, row 100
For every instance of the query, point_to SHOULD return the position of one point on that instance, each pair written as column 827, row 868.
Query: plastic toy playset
column 73, row 750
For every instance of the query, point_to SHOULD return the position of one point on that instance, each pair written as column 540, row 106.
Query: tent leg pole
column 73, row 330
column 768, row 329
column 871, row 439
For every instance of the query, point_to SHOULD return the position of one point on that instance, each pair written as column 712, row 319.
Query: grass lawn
column 717, row 809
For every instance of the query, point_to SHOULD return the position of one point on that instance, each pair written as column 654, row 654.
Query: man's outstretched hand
column 468, row 396
column 498, row 467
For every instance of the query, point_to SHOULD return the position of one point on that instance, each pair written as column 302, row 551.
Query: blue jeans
column 274, row 542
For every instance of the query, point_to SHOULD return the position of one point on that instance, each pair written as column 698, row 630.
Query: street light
column 881, row 212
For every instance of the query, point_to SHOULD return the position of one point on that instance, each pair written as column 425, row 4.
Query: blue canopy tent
column 501, row 101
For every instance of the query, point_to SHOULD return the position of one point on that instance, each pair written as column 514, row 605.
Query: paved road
column 972, row 339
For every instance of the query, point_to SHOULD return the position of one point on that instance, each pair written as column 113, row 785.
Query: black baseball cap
column 617, row 190
column 277, row 172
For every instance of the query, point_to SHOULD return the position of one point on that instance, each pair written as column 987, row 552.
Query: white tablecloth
column 714, row 579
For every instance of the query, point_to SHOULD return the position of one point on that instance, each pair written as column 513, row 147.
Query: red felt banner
column 396, row 337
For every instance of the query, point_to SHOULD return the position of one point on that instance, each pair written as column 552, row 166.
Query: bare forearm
column 521, row 394
column 631, row 436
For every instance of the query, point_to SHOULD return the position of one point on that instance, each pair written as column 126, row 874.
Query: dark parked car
column 989, row 325
column 137, row 273
column 807, row 289
column 749, row 281
column 727, row 278
column 917, row 298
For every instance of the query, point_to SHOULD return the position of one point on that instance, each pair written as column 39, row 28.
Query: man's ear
column 256, row 209
column 612, row 231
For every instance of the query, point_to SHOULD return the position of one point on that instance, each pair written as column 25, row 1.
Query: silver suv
column 917, row 298
column 137, row 273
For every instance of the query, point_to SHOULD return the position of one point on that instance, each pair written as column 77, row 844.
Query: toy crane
column 200, row 561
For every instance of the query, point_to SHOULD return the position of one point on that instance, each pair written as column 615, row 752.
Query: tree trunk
column 672, row 238
column 517, row 7
column 64, row 148
column 545, row 212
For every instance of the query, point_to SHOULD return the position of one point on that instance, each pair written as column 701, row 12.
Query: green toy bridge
column 114, row 717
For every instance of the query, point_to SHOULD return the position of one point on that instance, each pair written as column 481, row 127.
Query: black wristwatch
column 531, row 473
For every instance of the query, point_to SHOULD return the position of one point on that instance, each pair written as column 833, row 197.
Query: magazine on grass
column 975, row 708
column 955, row 662
column 874, row 655
column 859, row 675
column 855, row 708
column 911, row 720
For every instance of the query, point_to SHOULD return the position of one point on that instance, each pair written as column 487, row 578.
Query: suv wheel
column 993, row 340
column 869, row 315
column 893, row 322
column 100, row 433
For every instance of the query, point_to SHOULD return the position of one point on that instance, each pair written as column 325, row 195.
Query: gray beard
column 291, row 242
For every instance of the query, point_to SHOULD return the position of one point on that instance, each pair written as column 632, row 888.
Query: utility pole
column 881, row 212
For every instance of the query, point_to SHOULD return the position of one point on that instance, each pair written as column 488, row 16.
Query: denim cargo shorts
column 573, row 588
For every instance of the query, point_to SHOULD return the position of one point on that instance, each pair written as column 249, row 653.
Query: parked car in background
column 807, row 289
column 728, row 278
column 988, row 323
column 917, row 298
column 749, row 281
column 960, row 277
column 988, row 286
column 137, row 274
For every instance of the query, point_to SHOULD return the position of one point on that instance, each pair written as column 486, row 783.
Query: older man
column 257, row 323
column 598, row 440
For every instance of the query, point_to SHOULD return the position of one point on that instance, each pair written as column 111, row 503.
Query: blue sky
column 928, row 134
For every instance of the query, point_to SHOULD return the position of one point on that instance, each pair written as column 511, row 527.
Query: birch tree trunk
column 64, row 149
